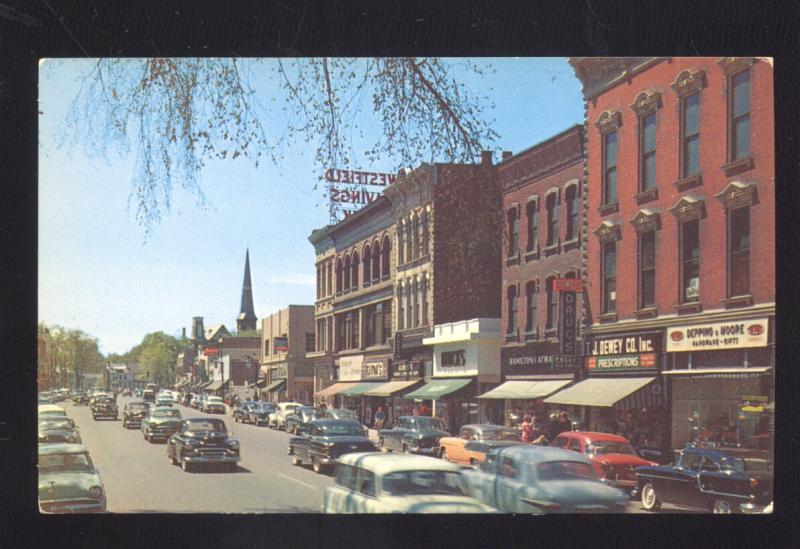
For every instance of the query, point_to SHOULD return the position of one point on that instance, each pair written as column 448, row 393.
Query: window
column 329, row 341
column 739, row 122
column 531, row 211
column 400, row 248
column 266, row 347
column 367, row 483
column 354, row 272
column 425, row 237
column 409, row 308
column 513, row 232
column 311, row 342
column 376, row 260
column 409, row 241
column 320, row 335
column 415, row 303
column 319, row 281
column 610, row 168
column 367, row 265
column 330, row 278
column 354, row 330
column 572, row 212
column 647, row 152
column 339, row 275
column 346, row 476
column 530, row 316
column 690, row 135
column 552, row 219
column 385, row 256
column 400, row 309
column 552, row 303
column 386, row 333
column 512, row 309
column 609, row 276
column 415, row 237
column 346, row 283
column 739, row 251
column 690, row 261
column 647, row 269
column 424, row 304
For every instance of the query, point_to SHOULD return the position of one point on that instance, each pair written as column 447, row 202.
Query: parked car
column 298, row 421
column 148, row 395
column 474, row 441
column 80, row 399
column 214, row 405
column 105, row 407
column 713, row 479
column 68, row 481
column 160, row 423
column 126, row 392
column 164, row 401
column 47, row 410
column 187, row 399
column 58, row 429
column 277, row 419
column 612, row 455
column 540, row 479
column 413, row 434
column 379, row 483
column 327, row 439
column 338, row 413
column 203, row 440
column 259, row 412
column 97, row 395
column 240, row 411
column 133, row 413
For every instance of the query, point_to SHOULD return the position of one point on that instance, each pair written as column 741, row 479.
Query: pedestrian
column 379, row 418
column 415, row 411
column 564, row 423
column 553, row 427
column 527, row 430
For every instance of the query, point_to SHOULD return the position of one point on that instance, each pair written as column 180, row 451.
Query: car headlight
column 233, row 444
column 74, row 437
column 96, row 492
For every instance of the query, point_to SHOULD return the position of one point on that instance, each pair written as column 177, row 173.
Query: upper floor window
column 354, row 271
column 425, row 236
column 311, row 342
column 409, row 241
column 513, row 232
column 347, row 272
column 415, row 303
column 415, row 237
column 739, row 251
column 690, row 260
column 609, row 276
column 386, row 251
column 647, row 269
column 339, row 275
column 400, row 247
column 400, row 309
column 532, row 214
column 424, row 303
column 530, row 298
column 552, row 219
column 387, row 321
column 572, row 212
column 409, row 308
column 610, row 168
column 376, row 260
column 552, row 303
column 647, row 151
column 512, row 309
column 739, row 116
column 690, row 135
column 367, row 264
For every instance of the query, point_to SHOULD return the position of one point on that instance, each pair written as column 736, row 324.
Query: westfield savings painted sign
column 356, row 188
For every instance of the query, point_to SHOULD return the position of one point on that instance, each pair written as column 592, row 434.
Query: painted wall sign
column 538, row 358
column 280, row 344
column 567, row 285
column 626, row 352
column 375, row 369
column 350, row 368
column 720, row 335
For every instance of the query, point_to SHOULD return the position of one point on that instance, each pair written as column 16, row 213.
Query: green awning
column 361, row 388
column 438, row 388
column 520, row 389
column 275, row 385
column 390, row 388
column 599, row 391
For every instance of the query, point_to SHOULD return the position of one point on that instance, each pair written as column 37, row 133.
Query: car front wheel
column 650, row 499
column 318, row 467
column 722, row 507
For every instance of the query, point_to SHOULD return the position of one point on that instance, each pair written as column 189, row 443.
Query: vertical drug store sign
column 720, row 335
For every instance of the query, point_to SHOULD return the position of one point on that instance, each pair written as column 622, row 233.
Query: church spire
column 246, row 320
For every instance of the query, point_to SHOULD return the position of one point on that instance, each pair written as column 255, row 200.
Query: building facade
column 286, row 337
column 681, row 261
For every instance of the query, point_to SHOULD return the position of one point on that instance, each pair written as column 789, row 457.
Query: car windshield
column 499, row 434
column 416, row 483
column 565, row 470
column 749, row 465
column 341, row 414
column 205, row 425
column 57, row 463
column 166, row 413
column 137, row 407
column 601, row 447
column 342, row 429
column 215, row 400
column 60, row 424
column 428, row 423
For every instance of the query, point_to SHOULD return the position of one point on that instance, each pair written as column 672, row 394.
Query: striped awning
column 334, row 389
column 604, row 392
column 519, row 389
column 360, row 388
column 390, row 388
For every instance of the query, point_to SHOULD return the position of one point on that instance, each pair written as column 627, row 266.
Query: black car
column 258, row 412
column 328, row 439
column 133, row 413
column 718, row 480
column 298, row 421
column 58, row 429
column 240, row 410
column 202, row 440
column 80, row 399
column 413, row 434
column 105, row 407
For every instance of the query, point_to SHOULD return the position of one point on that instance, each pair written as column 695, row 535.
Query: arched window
column 425, row 235
column 354, row 272
column 376, row 260
column 386, row 254
column 346, row 272
column 367, row 265
column 339, row 275
column 400, row 248
column 572, row 212
column 512, row 309
column 530, row 316
column 552, row 219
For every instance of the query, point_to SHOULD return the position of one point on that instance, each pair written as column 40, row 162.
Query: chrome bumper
column 209, row 459
column 59, row 506
column 424, row 451
column 751, row 508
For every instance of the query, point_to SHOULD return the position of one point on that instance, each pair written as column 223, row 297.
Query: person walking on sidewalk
column 379, row 419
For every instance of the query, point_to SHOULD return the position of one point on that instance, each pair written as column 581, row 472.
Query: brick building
column 681, row 263
column 286, row 337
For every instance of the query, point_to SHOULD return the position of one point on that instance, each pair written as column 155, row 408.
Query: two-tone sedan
column 240, row 411
column 298, row 422
column 414, row 435
column 203, row 441
column 258, row 412
column 213, row 405
column 80, row 399
column 328, row 439
column 134, row 413
column 68, row 481
column 58, row 429
column 160, row 423
column 469, row 448
column 105, row 407
column 277, row 419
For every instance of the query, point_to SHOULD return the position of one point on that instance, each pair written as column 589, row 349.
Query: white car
column 213, row 404
column 277, row 419
column 399, row 483
column 50, row 410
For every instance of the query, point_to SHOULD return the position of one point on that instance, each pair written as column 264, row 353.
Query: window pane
column 648, row 288
column 741, row 138
column 691, row 260
column 610, row 265
column 611, row 296
column 739, row 258
column 691, row 114
column 611, row 186
column 692, row 155
column 648, row 250
column 649, row 169
column 741, row 93
column 740, row 274
column 649, row 133
column 611, row 150
column 740, row 229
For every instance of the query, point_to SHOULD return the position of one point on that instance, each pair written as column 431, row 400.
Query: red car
column 613, row 456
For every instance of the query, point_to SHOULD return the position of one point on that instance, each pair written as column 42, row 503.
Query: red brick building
column 543, row 236
column 681, row 261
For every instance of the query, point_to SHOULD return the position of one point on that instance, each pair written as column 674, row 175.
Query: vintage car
column 105, row 407
column 473, row 441
column 68, row 482
column 413, row 434
column 44, row 398
column 164, row 401
column 719, row 480
column 381, row 483
column 58, row 429
column 327, row 439
column 213, row 405
column 126, row 392
column 258, row 412
column 160, row 423
column 240, row 410
column 47, row 410
column 613, row 456
column 202, row 440
column 80, row 399
column 93, row 397
column 298, row 421
column 277, row 419
column 337, row 413
column 133, row 413
column 148, row 395
column 540, row 479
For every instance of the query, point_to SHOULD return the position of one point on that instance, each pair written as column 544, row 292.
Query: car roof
column 62, row 448
column 592, row 435
column 332, row 421
column 719, row 453
column 482, row 426
column 530, row 453
column 163, row 409
column 382, row 464
column 50, row 408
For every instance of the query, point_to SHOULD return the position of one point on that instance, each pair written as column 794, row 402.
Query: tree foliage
column 65, row 355
column 179, row 113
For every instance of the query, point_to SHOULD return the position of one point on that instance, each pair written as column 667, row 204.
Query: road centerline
column 297, row 481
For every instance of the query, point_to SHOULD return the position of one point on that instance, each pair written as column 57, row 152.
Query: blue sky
column 97, row 272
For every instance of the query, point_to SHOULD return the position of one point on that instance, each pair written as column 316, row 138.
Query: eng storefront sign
column 624, row 353
column 376, row 369
column 720, row 335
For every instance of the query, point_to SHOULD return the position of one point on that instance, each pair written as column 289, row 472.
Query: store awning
column 275, row 385
column 719, row 372
column 526, row 389
column 438, row 388
column 361, row 388
column 261, row 383
column 334, row 389
column 390, row 388
column 215, row 385
column 599, row 391
column 204, row 385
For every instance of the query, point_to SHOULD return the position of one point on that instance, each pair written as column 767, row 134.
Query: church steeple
column 246, row 320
